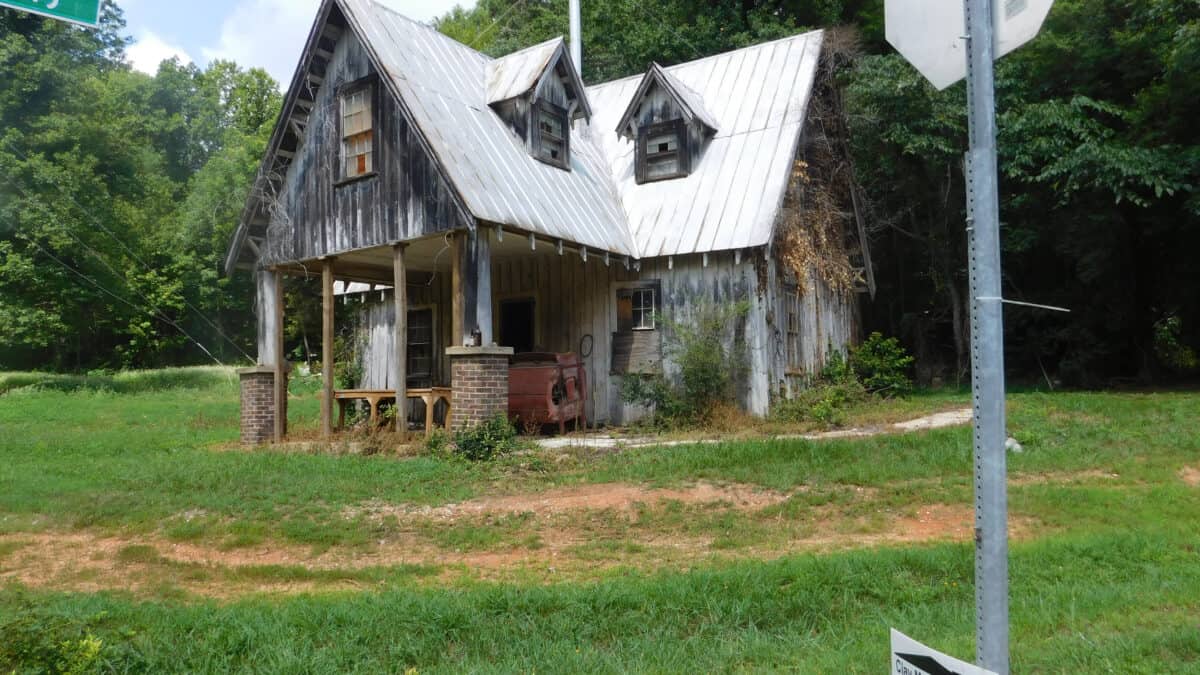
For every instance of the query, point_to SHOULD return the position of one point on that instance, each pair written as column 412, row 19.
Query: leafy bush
column 882, row 365
column 711, row 365
column 1169, row 346
column 37, row 641
column 824, row 403
column 487, row 440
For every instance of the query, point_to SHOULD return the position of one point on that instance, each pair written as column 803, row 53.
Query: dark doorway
column 516, row 324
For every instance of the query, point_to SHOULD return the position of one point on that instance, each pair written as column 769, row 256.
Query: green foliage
column 826, row 401
column 33, row 640
column 118, row 193
column 708, row 349
column 487, row 440
column 1170, row 348
column 882, row 365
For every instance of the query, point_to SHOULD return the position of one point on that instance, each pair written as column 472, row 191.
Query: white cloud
column 270, row 33
column 149, row 50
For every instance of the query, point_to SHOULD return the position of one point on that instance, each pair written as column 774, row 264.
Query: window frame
column 540, row 106
column 681, row 152
column 792, row 328
column 368, row 84
column 654, row 308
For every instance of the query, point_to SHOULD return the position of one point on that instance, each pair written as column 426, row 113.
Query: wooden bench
column 374, row 397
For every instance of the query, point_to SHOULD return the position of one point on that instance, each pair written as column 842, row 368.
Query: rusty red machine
column 547, row 388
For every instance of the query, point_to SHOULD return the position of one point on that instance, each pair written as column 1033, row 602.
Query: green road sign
column 86, row 12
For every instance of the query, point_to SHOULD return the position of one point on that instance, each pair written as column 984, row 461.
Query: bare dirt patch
column 619, row 497
column 566, row 533
column 1062, row 477
column 1190, row 475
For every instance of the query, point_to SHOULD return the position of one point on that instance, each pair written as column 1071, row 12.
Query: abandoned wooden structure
column 500, row 205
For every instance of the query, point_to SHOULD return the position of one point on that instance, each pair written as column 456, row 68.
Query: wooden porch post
column 483, row 283
column 327, row 357
column 400, row 370
column 456, row 290
column 280, row 361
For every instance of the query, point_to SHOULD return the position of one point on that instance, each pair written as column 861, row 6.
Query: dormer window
column 551, row 138
column 662, row 151
column 669, row 126
column 358, row 131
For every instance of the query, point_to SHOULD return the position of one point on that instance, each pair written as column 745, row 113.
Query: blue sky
column 264, row 33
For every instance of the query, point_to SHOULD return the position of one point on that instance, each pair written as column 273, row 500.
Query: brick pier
column 479, row 383
column 258, row 404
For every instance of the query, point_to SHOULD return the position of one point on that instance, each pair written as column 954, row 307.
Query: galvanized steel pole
column 576, row 36
column 987, row 346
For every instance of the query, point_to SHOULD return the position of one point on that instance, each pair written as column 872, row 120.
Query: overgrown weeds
column 709, row 355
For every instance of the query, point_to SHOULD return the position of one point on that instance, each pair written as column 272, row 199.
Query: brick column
column 479, row 383
column 258, row 404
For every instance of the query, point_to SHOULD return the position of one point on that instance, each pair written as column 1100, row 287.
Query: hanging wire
column 474, row 40
column 123, row 245
column 106, row 291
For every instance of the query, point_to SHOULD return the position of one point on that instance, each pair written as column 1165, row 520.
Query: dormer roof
column 520, row 72
column 687, row 98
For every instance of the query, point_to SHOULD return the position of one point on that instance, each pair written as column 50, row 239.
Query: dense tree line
column 119, row 195
column 121, row 190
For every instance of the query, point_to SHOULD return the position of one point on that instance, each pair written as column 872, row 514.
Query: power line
column 124, row 300
column 123, row 245
column 500, row 18
column 653, row 19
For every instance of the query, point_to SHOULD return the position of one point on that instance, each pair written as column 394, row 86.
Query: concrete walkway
column 607, row 442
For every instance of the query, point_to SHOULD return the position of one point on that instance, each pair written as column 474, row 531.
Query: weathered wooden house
column 504, row 203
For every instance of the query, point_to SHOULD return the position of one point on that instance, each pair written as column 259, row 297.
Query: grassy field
column 136, row 536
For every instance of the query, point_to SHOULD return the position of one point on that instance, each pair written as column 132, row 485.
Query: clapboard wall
column 316, row 213
column 575, row 307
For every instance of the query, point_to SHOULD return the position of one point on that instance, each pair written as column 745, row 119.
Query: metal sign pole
column 987, row 346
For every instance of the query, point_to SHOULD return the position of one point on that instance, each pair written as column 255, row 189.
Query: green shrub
column 36, row 641
column 882, row 365
column 486, row 440
column 1170, row 348
column 438, row 443
column 711, row 366
column 824, row 403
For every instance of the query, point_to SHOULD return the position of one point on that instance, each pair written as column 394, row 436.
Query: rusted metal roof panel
column 757, row 98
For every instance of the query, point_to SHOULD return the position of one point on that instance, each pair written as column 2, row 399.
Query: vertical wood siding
column 406, row 199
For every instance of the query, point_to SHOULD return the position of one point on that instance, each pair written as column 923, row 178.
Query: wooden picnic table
column 374, row 397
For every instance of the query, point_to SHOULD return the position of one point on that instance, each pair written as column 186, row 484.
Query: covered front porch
column 469, row 297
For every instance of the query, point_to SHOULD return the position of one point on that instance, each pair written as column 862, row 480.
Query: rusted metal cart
column 548, row 388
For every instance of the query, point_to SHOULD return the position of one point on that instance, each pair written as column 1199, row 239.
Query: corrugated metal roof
column 756, row 97
column 688, row 97
column 515, row 74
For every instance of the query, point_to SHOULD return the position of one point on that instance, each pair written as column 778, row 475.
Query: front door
column 517, row 324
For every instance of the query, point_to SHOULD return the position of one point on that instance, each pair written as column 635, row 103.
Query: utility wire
column 93, row 282
column 485, row 31
column 128, row 250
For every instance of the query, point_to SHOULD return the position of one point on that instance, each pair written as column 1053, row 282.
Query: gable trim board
column 757, row 98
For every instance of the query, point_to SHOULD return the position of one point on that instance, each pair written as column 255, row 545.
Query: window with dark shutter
column 551, row 134
column 662, row 151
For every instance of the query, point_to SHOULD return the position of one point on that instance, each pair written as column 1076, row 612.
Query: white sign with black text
column 910, row 657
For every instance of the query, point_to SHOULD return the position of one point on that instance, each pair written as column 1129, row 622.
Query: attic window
column 662, row 151
column 551, row 134
column 358, row 134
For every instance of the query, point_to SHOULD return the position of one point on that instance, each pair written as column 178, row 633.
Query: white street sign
column 929, row 33
column 910, row 657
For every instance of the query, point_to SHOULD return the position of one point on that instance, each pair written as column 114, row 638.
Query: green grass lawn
column 1105, row 572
